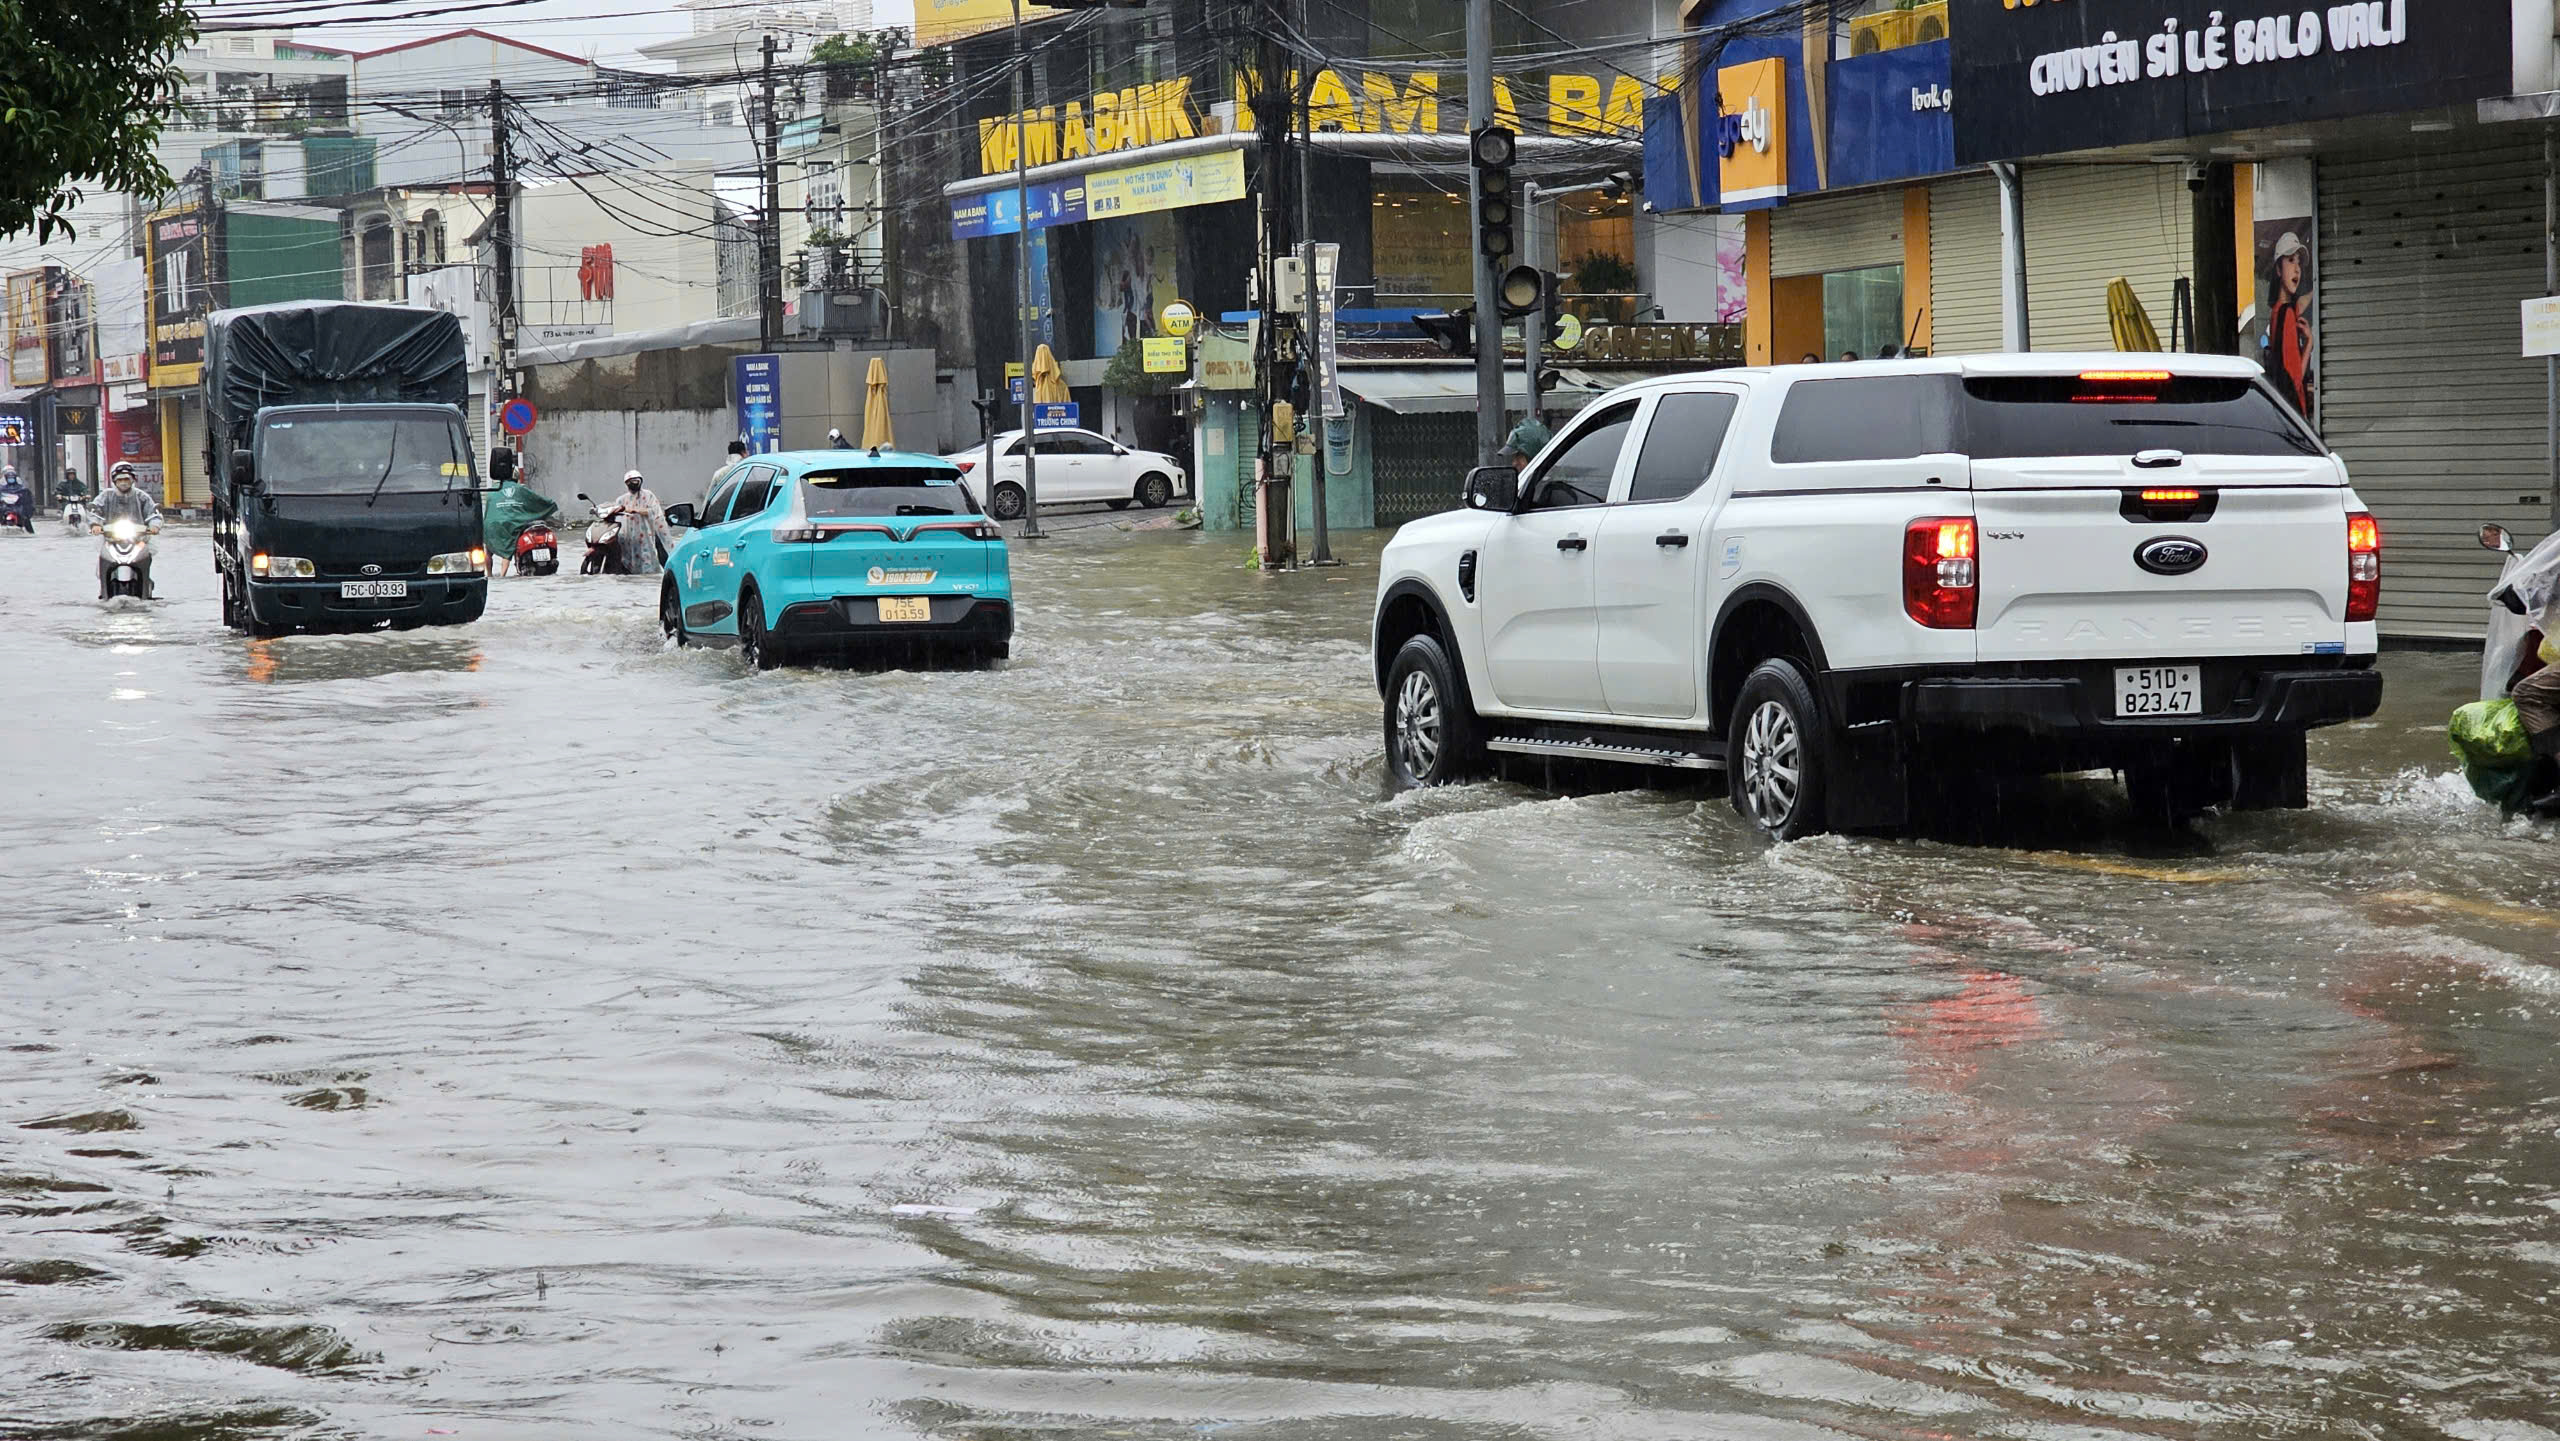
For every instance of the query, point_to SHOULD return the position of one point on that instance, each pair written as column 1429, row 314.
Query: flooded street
column 528, row 1029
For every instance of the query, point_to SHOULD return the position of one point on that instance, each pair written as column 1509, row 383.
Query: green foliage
column 1599, row 272
column 83, row 95
column 1127, row 373
column 842, row 49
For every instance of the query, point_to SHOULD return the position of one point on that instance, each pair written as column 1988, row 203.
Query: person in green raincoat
column 508, row 509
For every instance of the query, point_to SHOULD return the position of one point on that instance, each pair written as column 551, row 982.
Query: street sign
column 758, row 381
column 517, row 416
column 2542, row 326
column 1013, row 386
column 1164, row 355
column 1056, row 415
column 1178, row 317
column 1568, row 331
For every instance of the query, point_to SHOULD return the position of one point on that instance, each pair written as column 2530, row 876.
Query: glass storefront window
column 1862, row 311
column 1421, row 243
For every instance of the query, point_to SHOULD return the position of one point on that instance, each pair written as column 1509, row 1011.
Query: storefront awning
column 1433, row 390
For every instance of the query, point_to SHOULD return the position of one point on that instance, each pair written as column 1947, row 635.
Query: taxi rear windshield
column 2010, row 417
column 881, row 490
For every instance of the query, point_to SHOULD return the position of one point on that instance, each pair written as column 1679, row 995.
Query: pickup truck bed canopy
column 324, row 352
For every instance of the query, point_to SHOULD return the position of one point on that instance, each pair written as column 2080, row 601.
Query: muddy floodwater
column 530, row 1030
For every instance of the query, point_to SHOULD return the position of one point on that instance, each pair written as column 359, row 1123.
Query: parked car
column 800, row 552
column 1863, row 590
column 1075, row 466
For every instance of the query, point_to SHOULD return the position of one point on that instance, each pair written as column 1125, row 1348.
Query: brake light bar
column 2124, row 377
column 2171, row 497
column 1939, row 587
column 2364, row 566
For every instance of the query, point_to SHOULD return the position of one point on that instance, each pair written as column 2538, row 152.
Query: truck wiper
column 388, row 461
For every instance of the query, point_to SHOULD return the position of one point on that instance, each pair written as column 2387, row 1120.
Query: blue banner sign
column 1056, row 415
column 758, row 381
column 999, row 212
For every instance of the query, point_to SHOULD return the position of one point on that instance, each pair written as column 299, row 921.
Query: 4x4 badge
column 2170, row 555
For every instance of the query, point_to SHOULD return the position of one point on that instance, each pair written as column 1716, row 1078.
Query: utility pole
column 1276, row 465
column 1311, row 349
column 1489, row 404
column 502, row 235
column 769, row 259
column 1022, row 270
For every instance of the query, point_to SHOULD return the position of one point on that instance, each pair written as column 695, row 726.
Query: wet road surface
column 530, row 1030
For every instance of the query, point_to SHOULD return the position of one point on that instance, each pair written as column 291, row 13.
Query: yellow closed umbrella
column 2126, row 318
column 877, row 432
column 1048, row 382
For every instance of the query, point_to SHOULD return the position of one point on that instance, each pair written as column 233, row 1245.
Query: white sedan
column 1075, row 466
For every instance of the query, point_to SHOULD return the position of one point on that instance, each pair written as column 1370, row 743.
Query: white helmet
column 629, row 476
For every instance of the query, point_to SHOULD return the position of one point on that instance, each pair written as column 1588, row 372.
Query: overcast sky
column 609, row 30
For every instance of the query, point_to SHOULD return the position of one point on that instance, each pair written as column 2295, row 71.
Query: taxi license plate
column 373, row 589
column 2155, row 690
column 905, row 607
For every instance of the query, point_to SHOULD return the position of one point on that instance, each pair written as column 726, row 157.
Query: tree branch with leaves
column 83, row 96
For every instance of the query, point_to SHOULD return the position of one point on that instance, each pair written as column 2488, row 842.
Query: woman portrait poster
column 2288, row 301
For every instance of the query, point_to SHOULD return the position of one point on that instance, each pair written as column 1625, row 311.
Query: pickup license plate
column 905, row 607
column 373, row 590
column 2155, row 690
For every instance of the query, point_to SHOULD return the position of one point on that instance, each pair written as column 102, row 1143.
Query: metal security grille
column 2088, row 225
column 1964, row 266
column 1845, row 232
column 194, row 488
column 1248, row 445
column 1420, row 462
column 2425, row 256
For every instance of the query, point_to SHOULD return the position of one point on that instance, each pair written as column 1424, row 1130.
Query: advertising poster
column 28, row 356
column 1733, row 280
column 2044, row 79
column 759, row 395
column 180, row 295
column 133, row 437
column 1133, row 279
column 2281, row 326
column 74, row 337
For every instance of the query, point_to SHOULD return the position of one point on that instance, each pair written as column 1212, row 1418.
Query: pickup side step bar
column 1627, row 747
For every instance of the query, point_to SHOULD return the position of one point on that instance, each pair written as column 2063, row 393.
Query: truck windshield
column 2125, row 412
column 362, row 454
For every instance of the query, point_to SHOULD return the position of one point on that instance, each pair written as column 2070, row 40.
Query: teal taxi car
column 803, row 553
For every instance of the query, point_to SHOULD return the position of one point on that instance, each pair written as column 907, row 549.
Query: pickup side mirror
column 2495, row 537
column 244, row 470
column 1493, row 487
column 680, row 514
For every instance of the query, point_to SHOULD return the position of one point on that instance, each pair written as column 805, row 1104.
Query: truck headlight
column 459, row 562
column 282, row 567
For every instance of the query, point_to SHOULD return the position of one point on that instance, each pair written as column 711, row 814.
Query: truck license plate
column 373, row 590
column 2152, row 690
column 905, row 607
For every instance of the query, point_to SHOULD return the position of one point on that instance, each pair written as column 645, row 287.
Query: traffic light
column 1454, row 331
column 1551, row 309
column 1492, row 150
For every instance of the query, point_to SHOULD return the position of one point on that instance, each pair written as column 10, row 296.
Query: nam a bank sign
column 1376, row 104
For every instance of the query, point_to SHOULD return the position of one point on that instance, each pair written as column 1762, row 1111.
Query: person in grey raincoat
column 2532, row 589
column 645, row 535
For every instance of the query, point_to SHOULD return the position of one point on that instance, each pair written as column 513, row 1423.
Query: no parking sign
column 517, row 416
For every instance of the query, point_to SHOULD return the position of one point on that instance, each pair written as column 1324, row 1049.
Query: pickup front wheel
column 1433, row 736
column 1778, row 752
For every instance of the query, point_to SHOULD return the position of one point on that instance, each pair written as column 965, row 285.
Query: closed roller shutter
column 1964, row 266
column 2087, row 226
column 1836, row 232
column 2425, row 255
column 192, row 486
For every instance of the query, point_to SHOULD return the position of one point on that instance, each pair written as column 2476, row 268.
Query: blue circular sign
column 517, row 416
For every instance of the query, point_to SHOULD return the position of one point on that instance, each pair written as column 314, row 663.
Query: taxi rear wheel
column 755, row 644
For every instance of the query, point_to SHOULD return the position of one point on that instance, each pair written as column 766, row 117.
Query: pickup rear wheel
column 1433, row 736
column 1779, row 750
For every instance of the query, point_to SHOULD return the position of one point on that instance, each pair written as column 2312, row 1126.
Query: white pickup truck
column 1861, row 589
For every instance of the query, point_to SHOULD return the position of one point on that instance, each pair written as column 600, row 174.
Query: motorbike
column 124, row 560
column 537, row 550
column 18, row 508
column 75, row 518
column 604, row 540
column 2487, row 736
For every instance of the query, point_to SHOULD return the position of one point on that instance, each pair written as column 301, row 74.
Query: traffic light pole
column 1311, row 346
column 1022, row 267
column 1533, row 331
column 1488, row 319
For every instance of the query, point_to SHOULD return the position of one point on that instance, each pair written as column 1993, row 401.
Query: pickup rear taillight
column 1938, row 579
column 2364, row 566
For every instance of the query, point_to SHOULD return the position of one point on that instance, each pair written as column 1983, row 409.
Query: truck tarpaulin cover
column 317, row 352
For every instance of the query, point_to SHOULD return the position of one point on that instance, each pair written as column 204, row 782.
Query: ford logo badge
column 2170, row 555
column 373, row 570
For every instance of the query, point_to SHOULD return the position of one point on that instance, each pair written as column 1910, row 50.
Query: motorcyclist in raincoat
column 510, row 507
column 2532, row 590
